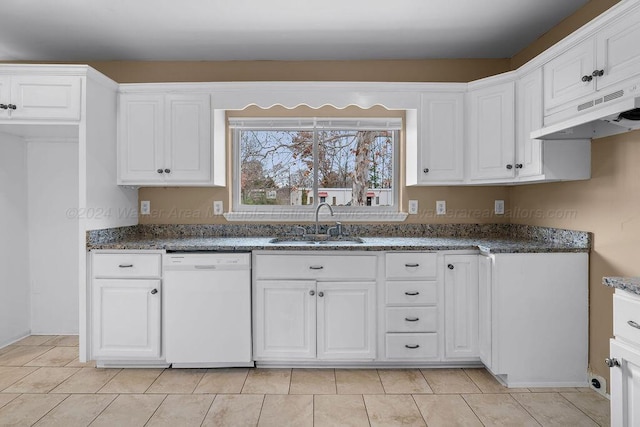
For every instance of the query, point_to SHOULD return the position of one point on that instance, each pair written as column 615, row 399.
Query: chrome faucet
column 318, row 211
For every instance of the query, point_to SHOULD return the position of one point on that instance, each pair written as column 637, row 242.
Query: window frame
column 302, row 212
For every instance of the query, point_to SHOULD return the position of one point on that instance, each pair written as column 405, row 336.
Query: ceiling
column 153, row 30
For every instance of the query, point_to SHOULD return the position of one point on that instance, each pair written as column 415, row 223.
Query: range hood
column 604, row 116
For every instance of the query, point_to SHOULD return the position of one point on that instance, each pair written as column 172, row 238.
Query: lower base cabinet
column 307, row 320
column 533, row 327
column 461, row 307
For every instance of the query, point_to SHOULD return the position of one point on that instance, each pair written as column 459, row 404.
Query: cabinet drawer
column 626, row 318
column 126, row 265
column 412, row 319
column 315, row 267
column 411, row 293
column 412, row 346
column 411, row 265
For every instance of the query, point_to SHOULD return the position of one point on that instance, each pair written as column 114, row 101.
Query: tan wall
column 607, row 205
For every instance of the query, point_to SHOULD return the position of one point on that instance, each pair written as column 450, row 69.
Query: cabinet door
column 461, row 306
column 529, row 118
column 346, row 320
column 187, row 146
column 563, row 76
column 492, row 132
column 4, row 96
column 441, row 145
column 625, row 386
column 45, row 97
column 284, row 324
column 485, row 338
column 618, row 50
column 126, row 319
column 140, row 146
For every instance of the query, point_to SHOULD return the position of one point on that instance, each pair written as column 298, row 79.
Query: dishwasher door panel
column 207, row 318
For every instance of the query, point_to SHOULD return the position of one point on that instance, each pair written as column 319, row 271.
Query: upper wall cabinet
column 441, row 138
column 165, row 140
column 528, row 118
column 40, row 97
column 491, row 131
column 603, row 61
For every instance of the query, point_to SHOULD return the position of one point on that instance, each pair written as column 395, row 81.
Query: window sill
column 310, row 216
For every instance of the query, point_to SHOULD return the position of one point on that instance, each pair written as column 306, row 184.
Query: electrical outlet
column 413, row 207
column 441, row 207
column 218, row 207
column 145, row 207
column 498, row 207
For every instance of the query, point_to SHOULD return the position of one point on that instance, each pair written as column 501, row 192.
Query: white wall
column 14, row 271
column 53, row 235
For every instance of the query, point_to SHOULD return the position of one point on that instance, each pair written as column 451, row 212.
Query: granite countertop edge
column 629, row 284
column 239, row 244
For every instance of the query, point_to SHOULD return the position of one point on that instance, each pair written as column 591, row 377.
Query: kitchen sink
column 316, row 240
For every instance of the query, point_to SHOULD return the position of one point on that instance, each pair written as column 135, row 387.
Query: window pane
column 276, row 167
column 356, row 167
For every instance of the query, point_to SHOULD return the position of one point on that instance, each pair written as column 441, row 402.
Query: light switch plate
column 499, row 207
column 218, row 207
column 413, row 207
column 145, row 207
column 441, row 207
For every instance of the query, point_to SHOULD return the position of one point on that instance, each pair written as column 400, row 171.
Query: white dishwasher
column 207, row 309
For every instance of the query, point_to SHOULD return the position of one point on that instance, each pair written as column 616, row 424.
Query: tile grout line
column 156, row 410
column 215, row 396
column 245, row 381
column 264, row 397
column 413, row 397
column 525, row 409
column 572, row 404
column 49, row 411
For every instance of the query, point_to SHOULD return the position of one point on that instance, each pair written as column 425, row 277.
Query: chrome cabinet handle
column 412, row 346
column 125, row 265
column 633, row 324
column 611, row 362
column 587, row 78
column 412, row 294
column 320, row 294
column 312, row 292
column 411, row 319
column 316, row 267
column 154, row 291
column 450, row 266
column 413, row 265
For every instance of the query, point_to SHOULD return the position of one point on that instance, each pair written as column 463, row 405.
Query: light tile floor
column 43, row 384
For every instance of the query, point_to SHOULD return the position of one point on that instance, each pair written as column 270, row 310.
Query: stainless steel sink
column 316, row 240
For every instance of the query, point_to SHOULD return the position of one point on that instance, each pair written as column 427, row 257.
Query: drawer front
column 412, row 346
column 411, row 293
column 626, row 318
column 315, row 267
column 126, row 265
column 411, row 265
column 411, row 319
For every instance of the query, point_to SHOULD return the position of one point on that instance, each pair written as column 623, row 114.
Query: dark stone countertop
column 629, row 284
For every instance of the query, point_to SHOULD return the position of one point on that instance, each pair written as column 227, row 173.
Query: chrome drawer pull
column 412, row 265
column 316, row 267
column 412, row 294
column 125, row 265
column 633, row 324
column 412, row 347
column 411, row 319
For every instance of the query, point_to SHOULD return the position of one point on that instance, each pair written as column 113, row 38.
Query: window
column 285, row 164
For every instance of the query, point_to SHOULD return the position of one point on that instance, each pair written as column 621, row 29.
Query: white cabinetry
column 461, row 306
column 491, row 131
column 441, row 138
column 32, row 97
column 165, row 139
column 534, row 318
column 125, row 306
column 528, row 118
column 321, row 306
column 624, row 360
column 411, row 315
column 601, row 62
